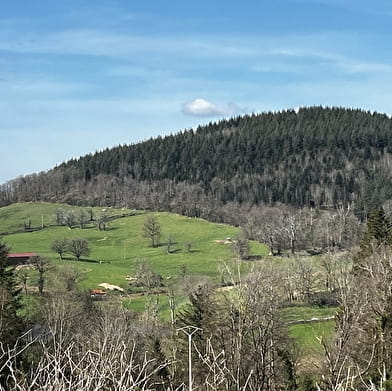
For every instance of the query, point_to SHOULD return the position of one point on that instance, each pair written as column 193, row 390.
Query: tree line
column 315, row 157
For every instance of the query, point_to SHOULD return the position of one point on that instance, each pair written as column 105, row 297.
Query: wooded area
column 316, row 157
column 62, row 338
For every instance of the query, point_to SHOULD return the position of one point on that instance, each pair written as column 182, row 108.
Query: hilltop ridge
column 315, row 156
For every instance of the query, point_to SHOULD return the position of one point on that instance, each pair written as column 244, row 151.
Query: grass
column 302, row 313
column 308, row 336
column 15, row 216
column 115, row 252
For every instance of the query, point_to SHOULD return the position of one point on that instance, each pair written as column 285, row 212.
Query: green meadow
column 310, row 335
column 15, row 216
column 116, row 251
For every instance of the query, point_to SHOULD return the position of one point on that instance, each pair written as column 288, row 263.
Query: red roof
column 21, row 255
column 97, row 292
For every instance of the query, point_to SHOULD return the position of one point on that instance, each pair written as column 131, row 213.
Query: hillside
column 116, row 252
column 320, row 157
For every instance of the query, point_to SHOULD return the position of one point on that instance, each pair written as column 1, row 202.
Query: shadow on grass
column 84, row 260
column 109, row 228
column 159, row 245
column 256, row 257
column 175, row 251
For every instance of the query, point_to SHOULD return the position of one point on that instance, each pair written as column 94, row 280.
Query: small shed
column 15, row 259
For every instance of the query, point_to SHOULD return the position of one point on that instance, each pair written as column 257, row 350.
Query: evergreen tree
column 378, row 233
column 200, row 313
column 11, row 326
column 162, row 377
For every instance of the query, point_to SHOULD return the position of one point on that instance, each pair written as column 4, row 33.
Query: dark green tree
column 11, row 325
column 200, row 313
column 162, row 376
column 378, row 233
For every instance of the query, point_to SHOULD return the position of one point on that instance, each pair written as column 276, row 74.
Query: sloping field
column 116, row 251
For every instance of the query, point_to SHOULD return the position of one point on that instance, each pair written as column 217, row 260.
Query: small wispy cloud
column 345, row 64
column 203, row 108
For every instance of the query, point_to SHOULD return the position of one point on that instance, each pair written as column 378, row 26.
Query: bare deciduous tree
column 82, row 218
column 169, row 244
column 69, row 218
column 42, row 266
column 23, row 277
column 78, row 247
column 152, row 230
column 358, row 357
column 103, row 221
column 240, row 246
column 107, row 355
column 60, row 246
column 291, row 229
column 305, row 277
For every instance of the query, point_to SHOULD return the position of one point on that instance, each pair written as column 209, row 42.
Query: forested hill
column 314, row 156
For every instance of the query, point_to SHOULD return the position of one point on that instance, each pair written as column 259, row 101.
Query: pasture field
column 14, row 217
column 309, row 335
column 116, row 251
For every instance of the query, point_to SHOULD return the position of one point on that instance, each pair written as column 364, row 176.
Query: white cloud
column 203, row 108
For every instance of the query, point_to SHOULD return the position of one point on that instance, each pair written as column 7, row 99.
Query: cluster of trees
column 152, row 231
column 81, row 218
column 303, row 229
column 68, row 341
column 281, row 227
column 245, row 345
column 78, row 247
column 316, row 157
column 63, row 340
column 358, row 357
column 241, row 340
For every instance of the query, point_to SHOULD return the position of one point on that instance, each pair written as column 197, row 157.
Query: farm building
column 15, row 259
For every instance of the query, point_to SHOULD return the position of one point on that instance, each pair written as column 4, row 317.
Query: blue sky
column 78, row 76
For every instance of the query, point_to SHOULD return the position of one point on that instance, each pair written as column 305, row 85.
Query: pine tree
column 201, row 314
column 378, row 233
column 11, row 326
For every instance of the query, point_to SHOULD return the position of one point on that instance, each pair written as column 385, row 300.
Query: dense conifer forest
column 321, row 157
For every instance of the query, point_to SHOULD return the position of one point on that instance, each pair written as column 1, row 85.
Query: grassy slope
column 14, row 216
column 308, row 337
column 122, row 244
